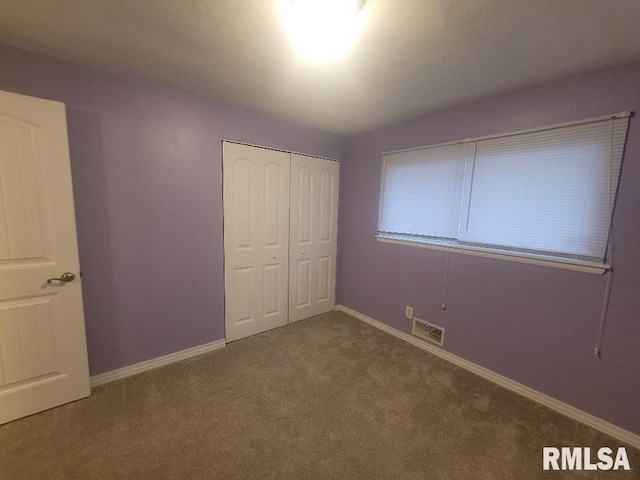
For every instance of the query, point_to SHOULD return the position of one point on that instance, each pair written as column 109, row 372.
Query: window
column 546, row 194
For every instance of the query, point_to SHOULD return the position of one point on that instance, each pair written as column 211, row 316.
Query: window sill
column 531, row 259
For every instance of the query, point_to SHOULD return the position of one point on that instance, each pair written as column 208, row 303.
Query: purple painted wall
column 146, row 166
column 532, row 324
column 146, row 163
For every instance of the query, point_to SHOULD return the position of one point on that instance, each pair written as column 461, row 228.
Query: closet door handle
column 66, row 277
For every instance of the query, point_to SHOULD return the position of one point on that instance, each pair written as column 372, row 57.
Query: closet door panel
column 244, row 284
column 313, row 242
column 302, row 191
column 274, row 223
column 256, row 232
column 324, row 279
column 301, row 235
column 270, row 284
column 242, row 278
column 302, row 285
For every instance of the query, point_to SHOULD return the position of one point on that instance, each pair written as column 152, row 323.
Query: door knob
column 66, row 277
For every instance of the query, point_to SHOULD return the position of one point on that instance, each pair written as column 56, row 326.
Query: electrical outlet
column 408, row 312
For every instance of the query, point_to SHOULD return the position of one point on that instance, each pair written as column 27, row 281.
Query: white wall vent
column 428, row 331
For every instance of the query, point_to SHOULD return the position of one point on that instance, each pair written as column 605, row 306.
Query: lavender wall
column 146, row 166
column 533, row 324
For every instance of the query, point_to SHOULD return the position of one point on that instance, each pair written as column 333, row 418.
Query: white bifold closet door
column 313, row 237
column 256, row 239
column 280, row 237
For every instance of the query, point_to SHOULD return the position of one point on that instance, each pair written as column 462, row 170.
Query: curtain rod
column 602, row 118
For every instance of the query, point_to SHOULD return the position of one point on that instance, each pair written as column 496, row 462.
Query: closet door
column 314, row 235
column 256, row 236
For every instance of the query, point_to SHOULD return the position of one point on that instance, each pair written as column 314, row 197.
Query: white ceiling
column 414, row 57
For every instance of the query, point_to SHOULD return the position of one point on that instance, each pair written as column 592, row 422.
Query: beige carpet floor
column 327, row 398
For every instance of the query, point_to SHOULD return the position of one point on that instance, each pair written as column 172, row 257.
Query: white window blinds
column 546, row 192
column 423, row 191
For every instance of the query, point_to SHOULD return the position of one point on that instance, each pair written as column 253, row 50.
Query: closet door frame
column 260, row 258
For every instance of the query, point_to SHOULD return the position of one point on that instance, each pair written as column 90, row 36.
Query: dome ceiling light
column 323, row 30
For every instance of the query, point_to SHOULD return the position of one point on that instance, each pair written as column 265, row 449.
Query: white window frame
column 443, row 245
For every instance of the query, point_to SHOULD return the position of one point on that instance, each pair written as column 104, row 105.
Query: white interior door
column 313, row 237
column 43, row 352
column 256, row 236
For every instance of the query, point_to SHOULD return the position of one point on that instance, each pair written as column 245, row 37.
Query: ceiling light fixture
column 323, row 30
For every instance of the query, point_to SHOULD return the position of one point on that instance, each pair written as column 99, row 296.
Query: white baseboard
column 154, row 363
column 572, row 412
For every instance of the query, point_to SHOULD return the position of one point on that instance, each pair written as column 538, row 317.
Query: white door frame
column 245, row 287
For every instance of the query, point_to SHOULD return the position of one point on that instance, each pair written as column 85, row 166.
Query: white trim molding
column 518, row 257
column 131, row 370
column 574, row 413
